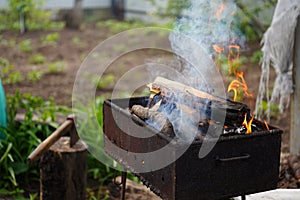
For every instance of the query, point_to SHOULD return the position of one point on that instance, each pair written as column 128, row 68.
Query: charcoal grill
column 237, row 165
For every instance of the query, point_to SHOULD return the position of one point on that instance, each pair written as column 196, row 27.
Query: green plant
column 229, row 68
column 25, row 46
column 33, row 17
column 35, row 75
column 76, row 40
column 37, row 59
column 50, row 39
column 105, row 82
column 256, row 57
column 7, row 43
column 7, row 74
column 22, row 137
column 274, row 109
column 56, row 67
column 13, row 78
column 5, row 67
column 173, row 9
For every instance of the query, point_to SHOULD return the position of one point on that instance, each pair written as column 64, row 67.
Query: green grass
column 21, row 138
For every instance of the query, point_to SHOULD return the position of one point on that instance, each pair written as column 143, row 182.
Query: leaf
column 12, row 176
column 6, row 152
column 19, row 167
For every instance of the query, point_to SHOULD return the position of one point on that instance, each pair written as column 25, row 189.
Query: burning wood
column 196, row 108
column 153, row 116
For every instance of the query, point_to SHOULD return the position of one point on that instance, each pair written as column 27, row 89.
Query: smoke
column 204, row 24
column 207, row 23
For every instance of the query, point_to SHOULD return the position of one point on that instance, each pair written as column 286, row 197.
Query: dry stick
column 46, row 144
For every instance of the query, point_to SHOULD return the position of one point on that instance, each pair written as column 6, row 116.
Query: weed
column 256, row 57
column 8, row 43
column 76, row 40
column 37, row 59
column 274, row 109
column 35, row 75
column 13, row 78
column 21, row 138
column 56, row 67
column 5, row 67
column 105, row 82
column 25, row 46
column 35, row 18
column 229, row 68
column 50, row 39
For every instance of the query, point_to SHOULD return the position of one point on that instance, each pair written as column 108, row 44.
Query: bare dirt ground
column 59, row 86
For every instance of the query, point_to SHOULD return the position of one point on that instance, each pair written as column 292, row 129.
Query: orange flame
column 248, row 124
column 233, row 53
column 235, row 84
column 219, row 12
column 267, row 126
column 218, row 49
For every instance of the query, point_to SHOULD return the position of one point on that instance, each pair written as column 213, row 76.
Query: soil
column 59, row 86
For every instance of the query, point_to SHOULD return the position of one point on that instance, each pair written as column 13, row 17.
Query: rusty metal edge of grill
column 163, row 136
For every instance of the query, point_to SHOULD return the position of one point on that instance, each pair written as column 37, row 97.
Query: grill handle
column 242, row 157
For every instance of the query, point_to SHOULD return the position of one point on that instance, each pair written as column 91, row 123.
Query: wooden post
column 63, row 171
column 295, row 102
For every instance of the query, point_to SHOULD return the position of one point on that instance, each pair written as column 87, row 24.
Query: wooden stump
column 63, row 171
column 74, row 18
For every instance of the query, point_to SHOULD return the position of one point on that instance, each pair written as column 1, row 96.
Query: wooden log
column 156, row 117
column 63, row 171
column 235, row 111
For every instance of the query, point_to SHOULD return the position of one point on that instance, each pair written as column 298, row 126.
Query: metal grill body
column 237, row 165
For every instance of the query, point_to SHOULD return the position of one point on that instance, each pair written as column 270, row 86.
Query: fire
column 233, row 53
column 248, row 124
column 218, row 49
column 239, row 82
column 219, row 12
column 267, row 126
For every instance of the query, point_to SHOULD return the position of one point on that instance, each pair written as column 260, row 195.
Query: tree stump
column 74, row 17
column 63, row 171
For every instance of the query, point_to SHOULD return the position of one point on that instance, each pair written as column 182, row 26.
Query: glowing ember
column 218, row 49
column 239, row 82
column 248, row 124
column 267, row 126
